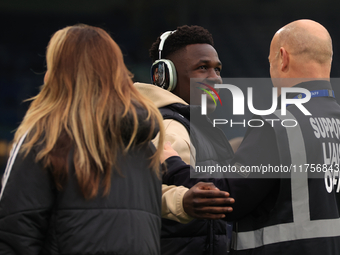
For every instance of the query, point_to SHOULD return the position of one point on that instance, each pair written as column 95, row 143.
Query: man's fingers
column 167, row 152
column 167, row 145
column 206, row 186
column 206, row 201
column 199, row 202
column 211, row 193
column 212, row 212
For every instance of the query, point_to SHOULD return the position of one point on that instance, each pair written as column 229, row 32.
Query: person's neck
column 291, row 82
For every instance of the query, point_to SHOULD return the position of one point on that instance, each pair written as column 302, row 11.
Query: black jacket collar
column 311, row 85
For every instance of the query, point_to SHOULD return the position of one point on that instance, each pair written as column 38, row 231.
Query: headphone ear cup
column 172, row 75
column 163, row 74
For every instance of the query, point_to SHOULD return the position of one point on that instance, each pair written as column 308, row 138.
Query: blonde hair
column 87, row 94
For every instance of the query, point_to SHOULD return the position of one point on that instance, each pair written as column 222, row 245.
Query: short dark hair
column 184, row 35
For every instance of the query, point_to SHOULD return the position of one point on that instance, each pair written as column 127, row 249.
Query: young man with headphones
column 179, row 55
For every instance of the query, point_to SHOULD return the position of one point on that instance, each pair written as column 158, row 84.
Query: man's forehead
column 193, row 54
column 204, row 52
column 209, row 61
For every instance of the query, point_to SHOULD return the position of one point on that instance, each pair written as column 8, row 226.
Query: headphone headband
column 163, row 37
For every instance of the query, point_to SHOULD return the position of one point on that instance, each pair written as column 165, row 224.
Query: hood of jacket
column 160, row 97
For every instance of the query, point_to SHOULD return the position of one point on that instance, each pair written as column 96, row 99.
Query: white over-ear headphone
column 163, row 72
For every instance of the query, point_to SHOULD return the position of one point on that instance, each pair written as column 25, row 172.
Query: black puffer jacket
column 35, row 218
column 199, row 237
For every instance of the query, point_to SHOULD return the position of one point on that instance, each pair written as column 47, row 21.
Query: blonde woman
column 83, row 176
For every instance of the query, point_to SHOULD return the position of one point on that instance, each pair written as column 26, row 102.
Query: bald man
column 301, row 51
column 294, row 212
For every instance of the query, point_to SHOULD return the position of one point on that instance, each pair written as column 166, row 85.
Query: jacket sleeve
column 172, row 203
column 26, row 201
column 178, row 173
column 179, row 137
column 249, row 193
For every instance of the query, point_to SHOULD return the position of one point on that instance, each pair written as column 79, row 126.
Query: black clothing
column 198, row 236
column 36, row 218
column 301, row 216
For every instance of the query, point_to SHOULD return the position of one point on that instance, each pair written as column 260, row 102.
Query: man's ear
column 284, row 57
